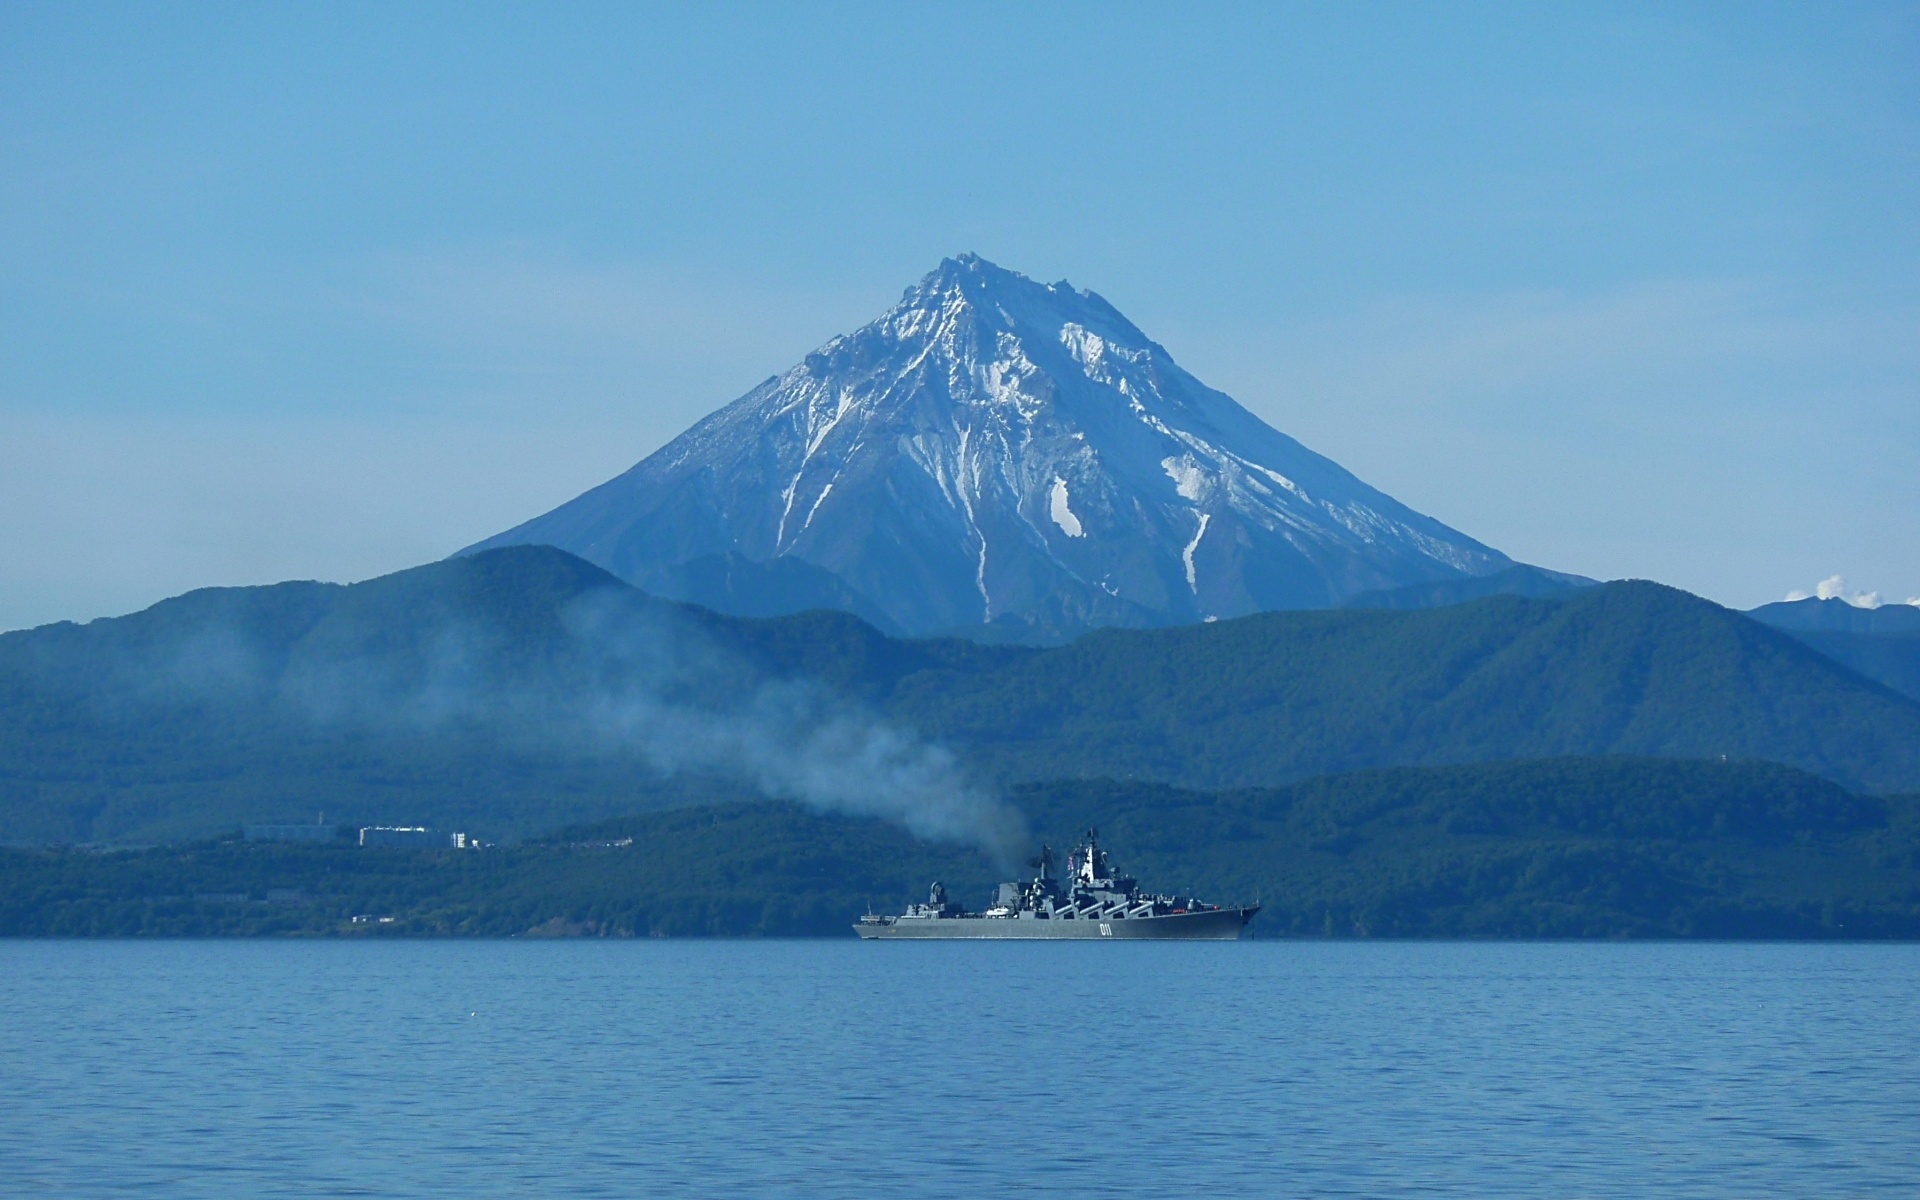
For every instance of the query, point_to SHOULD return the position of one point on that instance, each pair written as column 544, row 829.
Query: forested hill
column 1621, row 668
column 1881, row 643
column 522, row 689
column 1566, row 848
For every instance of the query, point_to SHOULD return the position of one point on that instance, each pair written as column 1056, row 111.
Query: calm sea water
column 742, row 1069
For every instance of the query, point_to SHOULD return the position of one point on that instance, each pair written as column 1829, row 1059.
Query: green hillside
column 1881, row 643
column 1887, row 658
column 1624, row 668
column 479, row 693
column 1562, row 848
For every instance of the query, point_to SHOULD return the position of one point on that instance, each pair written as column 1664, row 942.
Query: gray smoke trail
column 619, row 676
column 794, row 741
column 791, row 739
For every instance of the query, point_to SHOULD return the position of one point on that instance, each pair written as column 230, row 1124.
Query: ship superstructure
column 1091, row 901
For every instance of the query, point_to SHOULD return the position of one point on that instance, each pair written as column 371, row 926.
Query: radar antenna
column 1043, row 862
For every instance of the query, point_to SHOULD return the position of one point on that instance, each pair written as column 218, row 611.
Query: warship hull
column 1214, row 925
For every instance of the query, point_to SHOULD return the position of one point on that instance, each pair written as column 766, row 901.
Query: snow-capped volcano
column 993, row 450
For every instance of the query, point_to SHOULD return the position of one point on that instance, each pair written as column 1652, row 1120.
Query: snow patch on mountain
column 1189, row 481
column 1061, row 511
column 1186, row 555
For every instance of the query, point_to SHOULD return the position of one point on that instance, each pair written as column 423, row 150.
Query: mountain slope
column 1882, row 643
column 1621, row 668
column 1888, row 658
column 369, row 702
column 521, row 689
column 994, row 450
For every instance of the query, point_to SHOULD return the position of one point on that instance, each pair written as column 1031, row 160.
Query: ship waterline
column 1219, row 925
column 1092, row 903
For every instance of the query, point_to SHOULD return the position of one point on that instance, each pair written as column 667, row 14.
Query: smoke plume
column 615, row 674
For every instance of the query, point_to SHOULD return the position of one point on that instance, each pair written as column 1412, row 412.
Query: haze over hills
column 517, row 690
column 996, row 451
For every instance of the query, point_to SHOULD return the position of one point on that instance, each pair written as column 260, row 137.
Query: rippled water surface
column 244, row 1069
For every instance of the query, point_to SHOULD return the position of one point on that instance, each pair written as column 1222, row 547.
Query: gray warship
column 1092, row 902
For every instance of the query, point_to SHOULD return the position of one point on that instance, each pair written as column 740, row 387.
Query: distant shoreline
column 1551, row 850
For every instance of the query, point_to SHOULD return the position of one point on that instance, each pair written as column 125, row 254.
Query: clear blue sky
column 324, row 291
